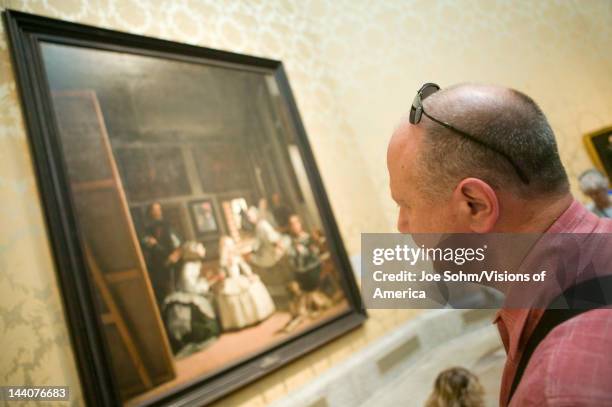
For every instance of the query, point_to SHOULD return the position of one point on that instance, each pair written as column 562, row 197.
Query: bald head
column 509, row 154
column 504, row 119
column 474, row 98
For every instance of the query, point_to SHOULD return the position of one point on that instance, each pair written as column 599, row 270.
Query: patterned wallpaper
column 354, row 66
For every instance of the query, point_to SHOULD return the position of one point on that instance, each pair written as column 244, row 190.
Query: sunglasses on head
column 417, row 111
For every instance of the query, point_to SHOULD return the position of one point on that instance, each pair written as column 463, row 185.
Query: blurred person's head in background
column 595, row 185
column 456, row 387
column 476, row 158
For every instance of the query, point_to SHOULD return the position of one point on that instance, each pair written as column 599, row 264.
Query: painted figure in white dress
column 243, row 299
column 269, row 246
column 190, row 280
column 188, row 312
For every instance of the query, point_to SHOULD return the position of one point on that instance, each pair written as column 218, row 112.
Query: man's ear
column 477, row 204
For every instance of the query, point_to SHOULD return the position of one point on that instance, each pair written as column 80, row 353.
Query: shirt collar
column 576, row 218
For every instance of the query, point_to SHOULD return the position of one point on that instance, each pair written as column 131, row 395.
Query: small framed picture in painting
column 203, row 216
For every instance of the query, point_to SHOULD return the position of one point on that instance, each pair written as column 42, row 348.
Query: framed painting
column 194, row 242
column 203, row 217
column 599, row 147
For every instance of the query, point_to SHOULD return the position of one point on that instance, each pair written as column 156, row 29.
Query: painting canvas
column 193, row 218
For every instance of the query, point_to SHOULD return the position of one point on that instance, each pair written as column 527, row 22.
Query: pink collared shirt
column 572, row 366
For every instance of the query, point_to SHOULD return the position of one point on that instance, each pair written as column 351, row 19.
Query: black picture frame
column 26, row 32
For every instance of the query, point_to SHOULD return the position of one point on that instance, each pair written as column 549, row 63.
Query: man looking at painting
column 162, row 251
column 483, row 159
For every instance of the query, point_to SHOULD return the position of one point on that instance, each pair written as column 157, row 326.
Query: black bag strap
column 581, row 298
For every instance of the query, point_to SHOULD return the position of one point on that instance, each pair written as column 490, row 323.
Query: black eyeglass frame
column 417, row 111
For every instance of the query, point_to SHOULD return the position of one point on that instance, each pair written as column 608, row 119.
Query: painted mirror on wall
column 203, row 217
column 193, row 238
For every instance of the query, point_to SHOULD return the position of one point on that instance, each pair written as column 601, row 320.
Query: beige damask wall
column 354, row 66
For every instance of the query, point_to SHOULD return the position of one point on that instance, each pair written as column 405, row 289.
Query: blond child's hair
column 456, row 387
